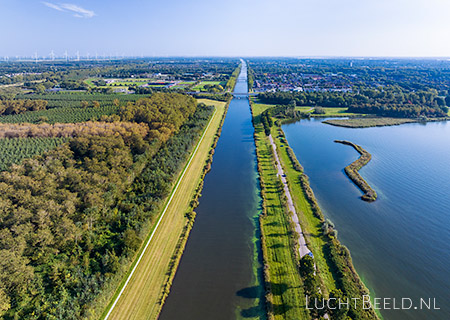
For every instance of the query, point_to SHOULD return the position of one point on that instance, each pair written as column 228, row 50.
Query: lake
column 400, row 244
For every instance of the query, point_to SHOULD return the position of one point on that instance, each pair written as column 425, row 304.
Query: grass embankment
column 352, row 171
column 147, row 289
column 333, row 262
column 285, row 297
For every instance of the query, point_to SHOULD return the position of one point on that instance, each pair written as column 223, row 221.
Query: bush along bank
column 352, row 171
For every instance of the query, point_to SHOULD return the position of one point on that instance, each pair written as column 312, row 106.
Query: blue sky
column 226, row 27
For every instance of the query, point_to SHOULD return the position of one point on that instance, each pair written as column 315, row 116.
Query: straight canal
column 220, row 273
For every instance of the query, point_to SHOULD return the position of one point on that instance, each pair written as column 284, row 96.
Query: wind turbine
column 52, row 55
column 78, row 55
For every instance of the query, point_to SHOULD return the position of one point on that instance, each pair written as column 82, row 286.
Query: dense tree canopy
column 163, row 112
column 391, row 102
column 70, row 219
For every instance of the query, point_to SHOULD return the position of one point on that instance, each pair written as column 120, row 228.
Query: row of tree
column 392, row 102
column 59, row 130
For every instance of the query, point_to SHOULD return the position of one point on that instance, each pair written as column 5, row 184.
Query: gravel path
column 302, row 248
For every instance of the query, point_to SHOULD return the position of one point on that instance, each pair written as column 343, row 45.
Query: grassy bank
column 148, row 287
column 333, row 262
column 352, row 171
column 285, row 297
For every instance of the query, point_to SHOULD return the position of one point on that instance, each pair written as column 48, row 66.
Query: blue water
column 219, row 276
column 400, row 243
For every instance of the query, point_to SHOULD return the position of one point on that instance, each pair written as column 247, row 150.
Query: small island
column 352, row 171
column 369, row 122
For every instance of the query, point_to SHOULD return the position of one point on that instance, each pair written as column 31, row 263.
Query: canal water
column 220, row 272
column 400, row 243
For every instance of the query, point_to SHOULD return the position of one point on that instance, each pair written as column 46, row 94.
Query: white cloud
column 77, row 11
column 53, row 6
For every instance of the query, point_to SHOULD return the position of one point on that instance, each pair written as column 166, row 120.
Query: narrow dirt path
column 302, row 248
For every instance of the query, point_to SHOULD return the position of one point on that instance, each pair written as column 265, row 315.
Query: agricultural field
column 67, row 99
column 183, row 84
column 62, row 115
column 201, row 85
column 129, row 82
column 14, row 150
column 90, row 82
column 93, row 82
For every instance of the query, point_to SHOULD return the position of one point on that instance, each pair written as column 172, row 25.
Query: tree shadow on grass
column 279, row 309
column 272, row 224
column 278, row 288
column 277, row 246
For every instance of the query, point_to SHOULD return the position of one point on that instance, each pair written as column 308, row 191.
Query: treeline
column 250, row 78
column 212, row 88
column 390, row 101
column 60, row 130
column 8, row 107
column 282, row 112
column 267, row 122
column 400, row 111
column 218, row 97
column 150, row 90
column 72, row 218
column 232, row 80
column 324, row 99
